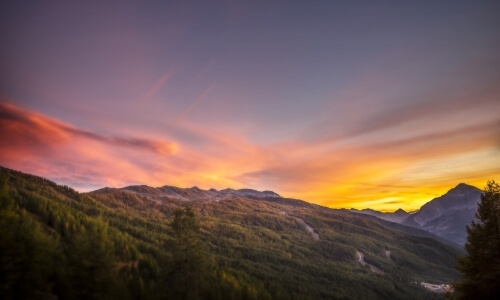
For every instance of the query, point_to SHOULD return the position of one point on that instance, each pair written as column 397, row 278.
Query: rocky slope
column 448, row 215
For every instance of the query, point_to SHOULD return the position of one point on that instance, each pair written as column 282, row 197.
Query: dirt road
column 309, row 229
column 361, row 260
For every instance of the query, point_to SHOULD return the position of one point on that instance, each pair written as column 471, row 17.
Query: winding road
column 437, row 288
column 361, row 260
column 360, row 255
column 309, row 229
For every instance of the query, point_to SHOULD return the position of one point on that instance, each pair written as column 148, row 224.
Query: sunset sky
column 379, row 104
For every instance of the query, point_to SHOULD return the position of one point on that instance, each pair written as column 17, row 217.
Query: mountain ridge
column 192, row 193
column 397, row 216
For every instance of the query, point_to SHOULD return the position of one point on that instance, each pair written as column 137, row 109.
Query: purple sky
column 328, row 101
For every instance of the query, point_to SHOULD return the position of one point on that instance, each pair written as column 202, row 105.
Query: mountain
column 118, row 243
column 397, row 217
column 193, row 193
column 448, row 215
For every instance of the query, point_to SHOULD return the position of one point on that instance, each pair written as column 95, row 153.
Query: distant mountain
column 117, row 242
column 448, row 215
column 397, row 217
column 445, row 216
column 193, row 193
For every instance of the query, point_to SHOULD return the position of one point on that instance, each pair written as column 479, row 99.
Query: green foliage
column 118, row 243
column 481, row 265
column 25, row 271
column 187, row 268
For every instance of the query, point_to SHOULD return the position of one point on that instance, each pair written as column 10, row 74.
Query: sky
column 362, row 104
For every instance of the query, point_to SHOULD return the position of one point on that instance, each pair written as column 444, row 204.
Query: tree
column 188, row 264
column 481, row 265
column 92, row 262
column 27, row 254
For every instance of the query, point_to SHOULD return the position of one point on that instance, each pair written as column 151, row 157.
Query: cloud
column 195, row 103
column 386, row 169
column 432, row 109
column 35, row 143
column 160, row 82
column 20, row 127
column 383, row 99
column 352, row 171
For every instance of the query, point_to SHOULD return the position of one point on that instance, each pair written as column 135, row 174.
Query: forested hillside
column 119, row 243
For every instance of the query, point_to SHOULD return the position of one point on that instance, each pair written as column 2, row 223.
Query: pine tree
column 92, row 261
column 481, row 265
column 26, row 252
column 188, row 262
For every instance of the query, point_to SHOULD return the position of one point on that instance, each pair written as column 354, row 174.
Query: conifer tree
column 188, row 259
column 481, row 265
column 26, row 252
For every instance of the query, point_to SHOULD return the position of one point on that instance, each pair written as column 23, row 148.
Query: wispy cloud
column 36, row 143
column 196, row 102
column 375, row 170
column 160, row 82
column 33, row 142
column 21, row 127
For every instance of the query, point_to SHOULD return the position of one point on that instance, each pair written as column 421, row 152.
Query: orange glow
column 384, row 175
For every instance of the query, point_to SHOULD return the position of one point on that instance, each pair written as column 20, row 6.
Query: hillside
column 117, row 243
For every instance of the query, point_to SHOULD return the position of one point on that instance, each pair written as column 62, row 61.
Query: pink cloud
column 36, row 143
column 343, row 172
